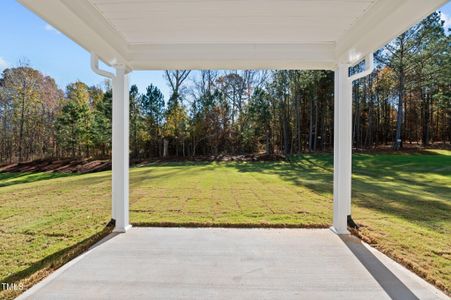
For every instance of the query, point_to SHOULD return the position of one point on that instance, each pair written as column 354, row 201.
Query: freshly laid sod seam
column 401, row 201
column 227, row 225
column 223, row 194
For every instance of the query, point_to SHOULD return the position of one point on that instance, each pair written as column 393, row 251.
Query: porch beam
column 312, row 56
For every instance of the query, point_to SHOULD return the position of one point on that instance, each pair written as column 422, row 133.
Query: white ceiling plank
column 252, row 21
column 202, row 34
column 231, row 9
column 220, row 31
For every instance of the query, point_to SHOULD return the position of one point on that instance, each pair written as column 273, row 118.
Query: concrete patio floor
column 217, row 263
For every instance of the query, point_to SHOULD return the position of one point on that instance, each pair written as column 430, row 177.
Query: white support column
column 120, row 162
column 342, row 148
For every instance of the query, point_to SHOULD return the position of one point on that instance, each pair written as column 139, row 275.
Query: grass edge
column 51, row 264
column 411, row 266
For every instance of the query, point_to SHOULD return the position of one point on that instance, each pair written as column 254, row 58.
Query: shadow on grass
column 176, row 164
column 373, row 183
column 37, row 271
column 13, row 178
column 296, row 171
column 405, row 186
column 144, row 173
column 412, row 197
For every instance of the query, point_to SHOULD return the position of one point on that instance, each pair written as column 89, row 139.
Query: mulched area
column 83, row 166
column 61, row 166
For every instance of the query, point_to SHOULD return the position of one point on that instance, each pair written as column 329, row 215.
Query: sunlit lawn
column 402, row 201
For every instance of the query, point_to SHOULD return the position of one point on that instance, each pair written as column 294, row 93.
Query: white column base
column 122, row 229
column 339, row 232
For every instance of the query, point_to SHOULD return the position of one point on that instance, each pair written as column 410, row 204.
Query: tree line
column 406, row 99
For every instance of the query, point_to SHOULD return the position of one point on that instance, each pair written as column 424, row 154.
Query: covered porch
column 206, row 263
column 328, row 35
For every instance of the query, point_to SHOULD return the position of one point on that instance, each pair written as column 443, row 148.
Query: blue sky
column 26, row 37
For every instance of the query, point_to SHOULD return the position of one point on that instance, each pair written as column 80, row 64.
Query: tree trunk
column 21, row 127
column 426, row 119
column 398, row 141
column 165, row 147
column 315, row 132
column 310, row 132
column 298, row 124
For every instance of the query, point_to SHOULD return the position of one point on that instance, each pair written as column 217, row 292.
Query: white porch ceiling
column 230, row 21
column 202, row 34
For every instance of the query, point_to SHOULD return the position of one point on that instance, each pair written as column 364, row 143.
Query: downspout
column 97, row 70
column 369, row 68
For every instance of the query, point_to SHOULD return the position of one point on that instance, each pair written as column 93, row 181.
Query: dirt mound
column 216, row 158
column 406, row 148
column 61, row 166
column 89, row 166
column 250, row 157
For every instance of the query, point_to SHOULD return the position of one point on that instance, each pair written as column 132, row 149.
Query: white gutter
column 369, row 67
column 97, row 70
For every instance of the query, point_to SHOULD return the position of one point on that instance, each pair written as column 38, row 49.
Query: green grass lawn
column 401, row 200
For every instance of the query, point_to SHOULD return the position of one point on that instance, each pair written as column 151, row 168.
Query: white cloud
column 3, row 64
column 49, row 27
column 446, row 19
